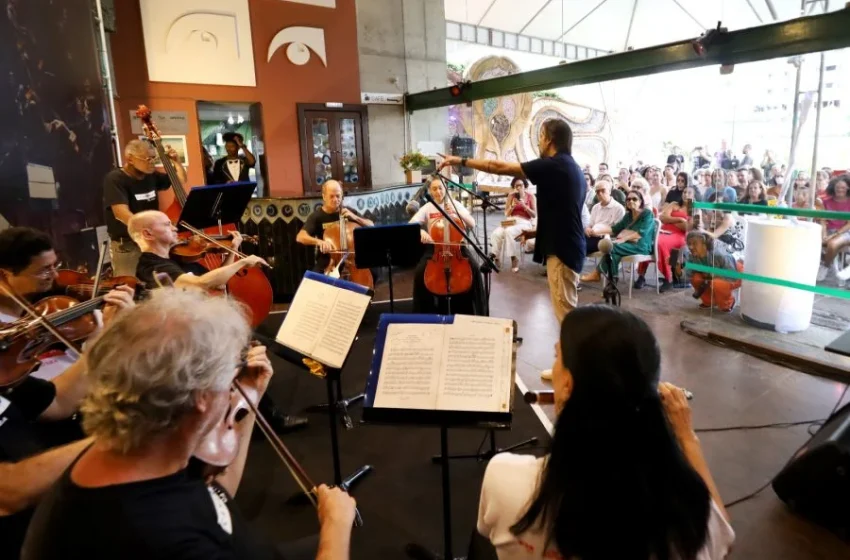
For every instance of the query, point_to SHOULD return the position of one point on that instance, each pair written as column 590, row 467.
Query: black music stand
column 387, row 246
column 214, row 205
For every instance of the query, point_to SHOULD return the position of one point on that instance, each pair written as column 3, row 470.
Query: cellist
column 153, row 231
column 312, row 232
column 472, row 302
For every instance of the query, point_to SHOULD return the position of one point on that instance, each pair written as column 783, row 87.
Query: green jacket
column 644, row 225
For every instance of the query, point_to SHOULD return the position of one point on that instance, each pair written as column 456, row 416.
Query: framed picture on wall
column 176, row 141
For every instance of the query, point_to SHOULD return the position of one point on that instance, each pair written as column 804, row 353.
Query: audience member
column 821, row 182
column 671, row 236
column 604, row 216
column 718, row 185
column 669, row 179
column 746, row 160
column 652, row 484
column 704, row 249
column 521, row 207
column 657, row 190
column 756, row 194
column 836, row 233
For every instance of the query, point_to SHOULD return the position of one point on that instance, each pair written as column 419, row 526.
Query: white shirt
column 428, row 214
column 234, row 166
column 53, row 362
column 606, row 215
column 509, row 485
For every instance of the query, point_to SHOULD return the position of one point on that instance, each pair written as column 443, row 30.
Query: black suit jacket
column 221, row 172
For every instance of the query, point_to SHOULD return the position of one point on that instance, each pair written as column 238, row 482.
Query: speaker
column 465, row 148
column 816, row 481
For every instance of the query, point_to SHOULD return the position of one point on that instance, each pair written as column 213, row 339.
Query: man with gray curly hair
column 161, row 379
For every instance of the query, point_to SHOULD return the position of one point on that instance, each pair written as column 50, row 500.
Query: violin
column 80, row 286
column 341, row 237
column 249, row 285
column 448, row 271
column 53, row 321
column 193, row 249
column 220, row 446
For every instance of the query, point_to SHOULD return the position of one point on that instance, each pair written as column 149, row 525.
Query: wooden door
column 334, row 145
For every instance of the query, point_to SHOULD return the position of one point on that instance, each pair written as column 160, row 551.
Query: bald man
column 155, row 235
column 313, row 231
column 130, row 189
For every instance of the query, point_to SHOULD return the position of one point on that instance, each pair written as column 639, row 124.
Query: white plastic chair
column 634, row 260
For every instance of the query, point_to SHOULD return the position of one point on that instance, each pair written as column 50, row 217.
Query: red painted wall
column 280, row 84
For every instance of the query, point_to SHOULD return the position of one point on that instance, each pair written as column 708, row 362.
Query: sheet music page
column 477, row 372
column 410, row 366
column 335, row 341
column 307, row 315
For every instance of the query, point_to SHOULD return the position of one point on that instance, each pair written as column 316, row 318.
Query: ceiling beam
column 808, row 34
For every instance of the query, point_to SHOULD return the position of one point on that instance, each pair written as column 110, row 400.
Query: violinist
column 152, row 404
column 312, row 234
column 131, row 189
column 31, row 411
column 155, row 234
column 472, row 302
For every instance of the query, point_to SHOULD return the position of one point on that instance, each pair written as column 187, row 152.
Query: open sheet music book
column 446, row 363
column 324, row 317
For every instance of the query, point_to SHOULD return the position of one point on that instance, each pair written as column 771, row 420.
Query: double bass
column 448, row 271
column 341, row 237
column 249, row 285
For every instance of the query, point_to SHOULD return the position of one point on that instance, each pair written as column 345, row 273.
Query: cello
column 341, row 237
column 249, row 285
column 448, row 271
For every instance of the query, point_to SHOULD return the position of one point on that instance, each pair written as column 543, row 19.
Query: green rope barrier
column 775, row 210
column 822, row 290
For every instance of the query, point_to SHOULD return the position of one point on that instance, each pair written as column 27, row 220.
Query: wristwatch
column 463, row 162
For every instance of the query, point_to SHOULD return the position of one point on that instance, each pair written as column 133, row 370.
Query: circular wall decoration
column 257, row 210
column 361, row 204
column 298, row 53
column 287, row 210
column 272, row 210
column 303, row 209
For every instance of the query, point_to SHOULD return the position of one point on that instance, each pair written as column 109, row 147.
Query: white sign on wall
column 381, row 98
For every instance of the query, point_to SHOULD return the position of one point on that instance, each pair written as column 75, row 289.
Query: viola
column 193, row 249
column 81, row 286
column 341, row 237
column 249, row 285
column 22, row 341
column 448, row 272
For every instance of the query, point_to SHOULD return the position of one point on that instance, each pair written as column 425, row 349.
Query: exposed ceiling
column 614, row 25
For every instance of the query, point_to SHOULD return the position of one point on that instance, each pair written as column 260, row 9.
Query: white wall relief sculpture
column 198, row 41
column 301, row 40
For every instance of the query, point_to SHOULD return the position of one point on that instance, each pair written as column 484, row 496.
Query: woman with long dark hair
column 625, row 476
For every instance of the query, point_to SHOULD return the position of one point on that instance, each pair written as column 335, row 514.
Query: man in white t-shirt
column 603, row 216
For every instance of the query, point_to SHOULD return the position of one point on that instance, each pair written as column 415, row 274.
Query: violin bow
column 203, row 235
column 100, row 259
column 39, row 318
column 295, row 469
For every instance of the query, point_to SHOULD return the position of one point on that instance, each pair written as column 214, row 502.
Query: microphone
column 548, row 396
column 413, row 206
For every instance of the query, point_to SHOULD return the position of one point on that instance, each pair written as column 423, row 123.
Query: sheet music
column 322, row 321
column 410, row 366
column 476, row 365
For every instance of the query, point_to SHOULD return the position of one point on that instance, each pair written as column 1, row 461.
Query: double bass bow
column 249, row 285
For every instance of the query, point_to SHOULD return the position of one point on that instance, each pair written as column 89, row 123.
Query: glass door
column 334, row 145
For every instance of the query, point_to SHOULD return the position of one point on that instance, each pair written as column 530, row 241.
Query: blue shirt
column 561, row 191
column 727, row 195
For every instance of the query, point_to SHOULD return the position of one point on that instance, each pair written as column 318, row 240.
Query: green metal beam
column 799, row 36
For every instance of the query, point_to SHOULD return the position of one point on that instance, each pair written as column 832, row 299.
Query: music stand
column 387, row 246
column 214, row 205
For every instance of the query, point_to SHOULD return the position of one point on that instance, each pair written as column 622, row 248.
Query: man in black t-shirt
column 153, row 406
column 313, row 231
column 561, row 191
column 27, row 409
column 131, row 189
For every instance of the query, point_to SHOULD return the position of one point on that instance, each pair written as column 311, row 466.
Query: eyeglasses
column 632, row 199
column 148, row 159
column 47, row 271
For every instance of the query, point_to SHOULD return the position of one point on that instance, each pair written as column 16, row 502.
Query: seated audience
column 718, row 184
column 805, row 199
column 821, row 182
column 619, row 194
column 669, row 179
column 633, row 235
column 588, row 178
column 774, row 185
column 657, row 190
column 521, row 207
column 159, row 387
column 726, row 227
column 605, row 214
column 732, row 182
column 710, row 290
column 642, row 185
column 677, row 194
column 649, row 494
column 756, row 194
column 671, row 236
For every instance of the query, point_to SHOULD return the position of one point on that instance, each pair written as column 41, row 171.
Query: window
column 510, row 41
column 482, row 36
column 559, row 50
column 497, row 38
column 468, row 33
column 453, row 30
column 548, row 47
column 536, row 46
column 524, row 43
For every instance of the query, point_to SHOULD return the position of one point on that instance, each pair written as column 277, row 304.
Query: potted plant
column 412, row 163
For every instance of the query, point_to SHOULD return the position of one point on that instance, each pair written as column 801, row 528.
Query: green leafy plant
column 411, row 161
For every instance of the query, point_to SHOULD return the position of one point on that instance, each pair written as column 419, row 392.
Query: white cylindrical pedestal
column 785, row 250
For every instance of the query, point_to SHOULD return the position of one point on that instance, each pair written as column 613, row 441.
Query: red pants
column 666, row 243
column 721, row 289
